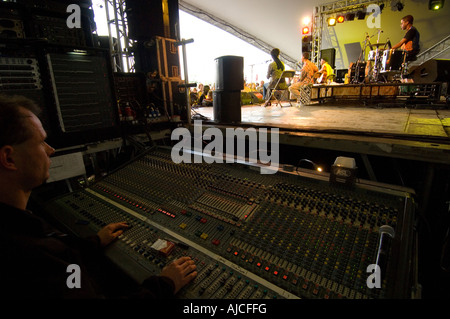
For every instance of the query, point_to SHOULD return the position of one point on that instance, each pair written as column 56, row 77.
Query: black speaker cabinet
column 435, row 70
column 329, row 55
column 230, row 73
column 149, row 18
column 227, row 106
column 229, row 83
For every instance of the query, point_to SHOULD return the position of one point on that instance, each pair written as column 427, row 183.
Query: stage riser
column 429, row 91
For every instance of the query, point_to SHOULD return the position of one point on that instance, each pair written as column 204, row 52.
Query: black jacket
column 34, row 258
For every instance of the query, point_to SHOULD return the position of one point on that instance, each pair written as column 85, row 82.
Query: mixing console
column 251, row 235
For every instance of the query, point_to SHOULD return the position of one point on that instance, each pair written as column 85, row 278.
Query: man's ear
column 7, row 158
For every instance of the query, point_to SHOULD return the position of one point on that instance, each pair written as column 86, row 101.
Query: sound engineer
column 34, row 255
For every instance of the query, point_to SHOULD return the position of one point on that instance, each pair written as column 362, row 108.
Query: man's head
column 13, row 127
column 24, row 154
column 305, row 56
column 323, row 61
column 406, row 22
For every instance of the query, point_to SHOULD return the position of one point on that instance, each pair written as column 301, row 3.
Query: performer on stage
column 306, row 76
column 274, row 72
column 410, row 42
column 325, row 73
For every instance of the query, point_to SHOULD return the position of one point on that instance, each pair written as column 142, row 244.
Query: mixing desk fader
column 251, row 235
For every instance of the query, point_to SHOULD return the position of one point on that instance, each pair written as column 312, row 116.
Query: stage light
column 435, row 5
column 361, row 15
column 340, row 19
column 331, row 22
column 305, row 30
column 306, row 43
column 350, row 16
column 397, row 6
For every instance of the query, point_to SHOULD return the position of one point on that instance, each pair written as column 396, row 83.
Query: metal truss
column 119, row 42
column 320, row 14
column 343, row 5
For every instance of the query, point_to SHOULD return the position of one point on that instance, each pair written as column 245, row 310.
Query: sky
column 209, row 43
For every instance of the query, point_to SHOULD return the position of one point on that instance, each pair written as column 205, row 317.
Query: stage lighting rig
column 306, row 35
column 361, row 15
column 350, row 16
column 397, row 5
column 435, row 5
column 331, row 21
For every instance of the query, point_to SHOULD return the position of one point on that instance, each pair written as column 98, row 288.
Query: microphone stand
column 361, row 59
column 376, row 67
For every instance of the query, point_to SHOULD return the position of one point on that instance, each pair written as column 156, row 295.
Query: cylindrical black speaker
column 227, row 106
column 229, row 83
column 229, row 73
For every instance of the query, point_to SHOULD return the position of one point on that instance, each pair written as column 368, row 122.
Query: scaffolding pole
column 119, row 42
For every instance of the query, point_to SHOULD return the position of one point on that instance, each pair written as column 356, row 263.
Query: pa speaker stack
column 229, row 83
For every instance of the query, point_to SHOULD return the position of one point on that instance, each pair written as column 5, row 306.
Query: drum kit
column 383, row 63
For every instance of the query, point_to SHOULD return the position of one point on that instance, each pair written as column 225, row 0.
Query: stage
column 399, row 132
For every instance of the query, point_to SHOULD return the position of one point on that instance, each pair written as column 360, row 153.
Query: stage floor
column 397, row 132
column 432, row 123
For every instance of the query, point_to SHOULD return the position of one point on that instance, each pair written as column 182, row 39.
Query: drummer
column 410, row 42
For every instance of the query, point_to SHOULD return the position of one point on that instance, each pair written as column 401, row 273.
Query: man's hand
column 181, row 271
column 110, row 232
